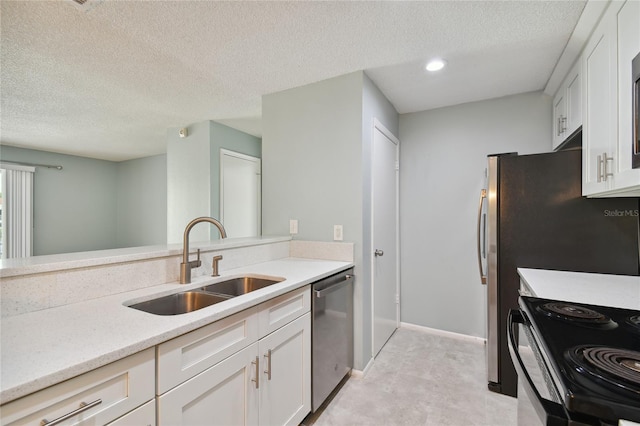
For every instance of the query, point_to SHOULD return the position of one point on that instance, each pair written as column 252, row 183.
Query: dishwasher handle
column 348, row 279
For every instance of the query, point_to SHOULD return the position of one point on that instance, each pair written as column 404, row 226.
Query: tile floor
column 420, row 378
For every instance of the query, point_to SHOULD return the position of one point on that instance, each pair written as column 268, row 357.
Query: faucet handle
column 196, row 263
column 214, row 265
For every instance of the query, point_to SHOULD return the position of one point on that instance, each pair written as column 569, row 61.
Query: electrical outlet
column 337, row 232
column 293, row 226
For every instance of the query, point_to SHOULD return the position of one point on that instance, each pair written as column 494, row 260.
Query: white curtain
column 17, row 193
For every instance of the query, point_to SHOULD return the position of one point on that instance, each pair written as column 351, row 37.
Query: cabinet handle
column 558, row 126
column 605, row 160
column 268, row 370
column 83, row 407
column 600, row 175
column 257, row 379
column 563, row 124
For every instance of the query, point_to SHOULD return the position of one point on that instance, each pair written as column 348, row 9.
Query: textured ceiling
column 108, row 80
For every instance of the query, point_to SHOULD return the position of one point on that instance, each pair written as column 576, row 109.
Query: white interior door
column 240, row 195
column 384, row 250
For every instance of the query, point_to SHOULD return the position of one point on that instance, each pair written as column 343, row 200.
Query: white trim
column 361, row 374
column 377, row 125
column 256, row 160
column 443, row 333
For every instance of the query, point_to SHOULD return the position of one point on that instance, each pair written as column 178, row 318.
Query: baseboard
column 360, row 374
column 443, row 333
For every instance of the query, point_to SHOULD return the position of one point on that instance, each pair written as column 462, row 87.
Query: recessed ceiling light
column 436, row 64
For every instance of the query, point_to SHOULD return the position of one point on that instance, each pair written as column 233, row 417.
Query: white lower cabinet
column 285, row 388
column 98, row 397
column 251, row 368
column 266, row 381
column 224, row 395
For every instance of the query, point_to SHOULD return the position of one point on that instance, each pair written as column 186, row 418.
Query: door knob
column 379, row 252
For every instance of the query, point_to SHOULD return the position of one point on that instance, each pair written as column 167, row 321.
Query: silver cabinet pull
column 257, row 379
column 605, row 160
column 268, row 370
column 563, row 124
column 378, row 252
column 483, row 277
column 603, row 163
column 600, row 176
column 83, row 407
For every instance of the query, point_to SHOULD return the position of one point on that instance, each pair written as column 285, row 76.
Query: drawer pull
column 257, row 379
column 83, row 407
column 268, row 370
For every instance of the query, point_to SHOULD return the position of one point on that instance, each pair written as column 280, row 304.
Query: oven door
column 539, row 402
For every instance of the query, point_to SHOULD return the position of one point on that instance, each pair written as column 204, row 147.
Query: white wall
column 442, row 165
column 142, row 202
column 314, row 166
column 188, row 181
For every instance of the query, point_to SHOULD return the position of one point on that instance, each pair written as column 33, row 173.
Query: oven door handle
column 551, row 413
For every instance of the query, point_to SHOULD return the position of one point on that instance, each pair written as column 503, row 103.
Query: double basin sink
column 192, row 300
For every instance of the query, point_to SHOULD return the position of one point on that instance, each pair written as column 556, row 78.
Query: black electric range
column 589, row 356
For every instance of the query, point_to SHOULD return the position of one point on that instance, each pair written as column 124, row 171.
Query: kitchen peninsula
column 67, row 317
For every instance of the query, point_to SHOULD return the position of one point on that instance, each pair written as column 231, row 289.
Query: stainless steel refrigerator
column 532, row 215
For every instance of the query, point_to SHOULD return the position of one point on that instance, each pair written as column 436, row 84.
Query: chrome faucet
column 186, row 266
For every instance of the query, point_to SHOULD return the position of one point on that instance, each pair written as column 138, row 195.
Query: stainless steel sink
column 239, row 286
column 180, row 303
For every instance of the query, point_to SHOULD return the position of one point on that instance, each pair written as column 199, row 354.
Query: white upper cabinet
column 567, row 106
column 606, row 65
column 628, row 47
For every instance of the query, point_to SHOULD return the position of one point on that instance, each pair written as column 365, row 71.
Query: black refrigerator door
column 544, row 222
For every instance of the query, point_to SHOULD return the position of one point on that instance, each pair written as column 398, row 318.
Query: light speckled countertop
column 620, row 291
column 45, row 347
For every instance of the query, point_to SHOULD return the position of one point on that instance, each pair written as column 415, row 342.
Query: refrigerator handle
column 483, row 277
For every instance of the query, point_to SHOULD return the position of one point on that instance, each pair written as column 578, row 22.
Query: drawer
column 192, row 353
column 141, row 416
column 283, row 309
column 120, row 387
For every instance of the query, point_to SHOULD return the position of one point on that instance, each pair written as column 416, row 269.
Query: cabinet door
column 574, row 100
column 628, row 20
column 285, row 386
column 141, row 416
column 601, row 108
column 225, row 394
column 559, row 117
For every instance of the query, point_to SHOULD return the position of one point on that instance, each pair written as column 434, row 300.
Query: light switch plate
column 337, row 232
column 293, row 226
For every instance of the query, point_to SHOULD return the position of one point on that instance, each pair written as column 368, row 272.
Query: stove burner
column 634, row 321
column 567, row 311
column 620, row 363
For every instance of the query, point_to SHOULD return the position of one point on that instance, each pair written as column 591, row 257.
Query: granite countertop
column 619, row 291
column 42, row 348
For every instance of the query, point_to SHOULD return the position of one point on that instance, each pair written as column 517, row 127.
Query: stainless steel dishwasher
column 331, row 334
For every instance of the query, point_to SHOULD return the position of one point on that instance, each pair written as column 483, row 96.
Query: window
column 16, row 210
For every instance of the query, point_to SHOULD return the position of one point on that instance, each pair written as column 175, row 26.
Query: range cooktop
column 595, row 354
